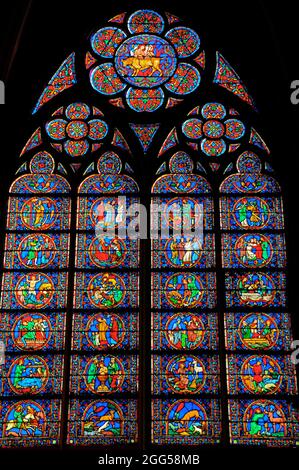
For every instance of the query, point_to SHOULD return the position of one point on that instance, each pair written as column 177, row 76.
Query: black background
column 258, row 38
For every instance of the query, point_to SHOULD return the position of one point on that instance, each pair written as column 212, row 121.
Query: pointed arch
column 260, row 373
column 33, row 305
column 184, row 321
column 77, row 297
column 105, row 343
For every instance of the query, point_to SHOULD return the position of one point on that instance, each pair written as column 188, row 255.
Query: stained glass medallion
column 102, row 422
column 262, row 422
column 33, row 331
column 145, row 59
column 105, row 331
column 77, row 130
column 188, row 420
column 258, row 331
column 184, row 331
column 260, row 374
column 34, row 422
column 215, row 128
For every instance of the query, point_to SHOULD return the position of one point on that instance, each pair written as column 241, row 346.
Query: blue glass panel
column 256, row 331
column 183, row 290
column 187, row 420
column 184, row 331
column 185, row 374
column 32, row 331
column 102, row 331
column 95, row 422
column 103, row 375
column 260, row 374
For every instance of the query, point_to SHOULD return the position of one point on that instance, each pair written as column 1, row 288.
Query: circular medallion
column 77, row 130
column 98, row 129
column 213, row 148
column 213, row 129
column 213, row 111
column 145, row 61
column 258, row 331
column 105, row 80
column 185, row 41
column 39, row 213
column 105, row 211
column 145, row 21
column 106, row 290
column 42, row 163
column 256, row 289
column 105, row 331
column 254, row 250
column 185, row 80
column 77, row 111
column 192, row 128
column 261, row 375
column 104, row 374
column 106, row 41
column 184, row 290
column 109, row 163
column 234, row 129
column 56, row 129
column 76, row 148
column 28, row 374
column 184, row 331
column 185, row 374
column 34, row 291
column 107, row 252
column 31, row 331
column 251, row 213
column 183, row 252
column 37, row 251
column 249, row 162
column 182, row 209
column 145, row 100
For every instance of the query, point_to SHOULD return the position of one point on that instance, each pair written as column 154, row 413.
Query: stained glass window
column 110, row 339
column 105, row 315
column 257, row 325
column 184, row 324
column 33, row 305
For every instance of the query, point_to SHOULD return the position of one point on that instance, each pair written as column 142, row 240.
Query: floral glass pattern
column 214, row 128
column 145, row 60
column 78, row 130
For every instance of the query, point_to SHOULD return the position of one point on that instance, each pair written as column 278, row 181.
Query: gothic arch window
column 106, row 316
column 34, row 303
column 185, row 361
column 182, row 339
column 256, row 323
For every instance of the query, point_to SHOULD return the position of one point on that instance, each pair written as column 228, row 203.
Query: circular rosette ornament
column 77, row 129
column 144, row 59
column 214, row 128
